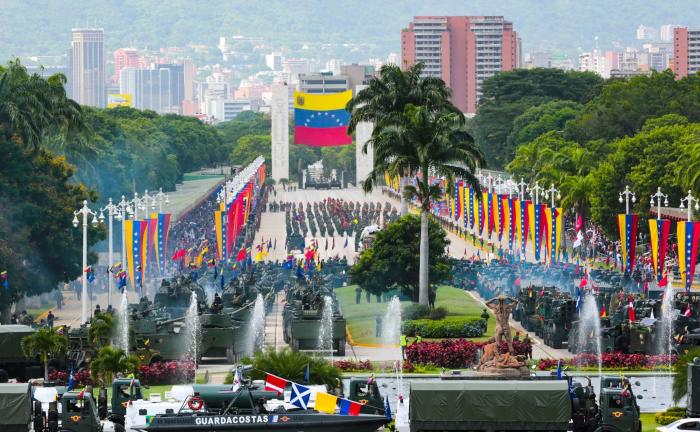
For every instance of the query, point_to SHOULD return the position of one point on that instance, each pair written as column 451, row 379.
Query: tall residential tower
column 462, row 50
column 88, row 67
column 686, row 51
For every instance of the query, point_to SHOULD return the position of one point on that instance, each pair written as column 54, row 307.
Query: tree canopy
column 393, row 259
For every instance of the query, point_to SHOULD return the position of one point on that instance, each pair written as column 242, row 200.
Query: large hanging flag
column 511, row 223
column 321, row 120
column 454, row 208
column 537, row 226
column 135, row 233
column 554, row 224
column 152, row 227
column 688, row 236
column 498, row 215
column 487, row 208
column 659, row 230
column 161, row 240
column 466, row 206
column 460, row 200
column 220, row 231
column 473, row 209
column 627, row 226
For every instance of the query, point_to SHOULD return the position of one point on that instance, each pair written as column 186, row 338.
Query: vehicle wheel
column 119, row 428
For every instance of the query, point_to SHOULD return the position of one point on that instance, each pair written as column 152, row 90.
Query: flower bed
column 612, row 361
column 453, row 353
column 351, row 365
column 446, row 328
column 159, row 373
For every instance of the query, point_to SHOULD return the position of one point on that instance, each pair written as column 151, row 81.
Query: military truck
column 543, row 404
column 13, row 362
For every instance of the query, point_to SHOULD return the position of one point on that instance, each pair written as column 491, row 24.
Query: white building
column 646, row 33
column 274, row 61
column 593, row 61
column 666, row 32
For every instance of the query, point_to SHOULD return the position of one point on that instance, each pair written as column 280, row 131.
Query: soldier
column 403, row 342
column 50, row 319
column 358, row 295
column 378, row 327
column 528, row 344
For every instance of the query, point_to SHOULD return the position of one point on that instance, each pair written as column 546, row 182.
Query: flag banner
column 659, row 230
column 219, row 229
column 455, row 207
column 465, row 209
column 325, row 402
column 482, row 212
column 460, row 200
column 488, row 213
column 688, row 235
column 554, row 224
column 275, row 383
column 498, row 215
column 152, row 227
column 161, row 240
column 627, row 226
column 472, row 209
column 135, row 233
column 320, row 120
column 511, row 223
column 348, row 407
column 537, row 227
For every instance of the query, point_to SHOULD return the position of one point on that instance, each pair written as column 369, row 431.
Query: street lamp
column 535, row 192
column 112, row 213
column 658, row 195
column 549, row 193
column 85, row 212
column 161, row 198
column 521, row 186
column 124, row 212
column 627, row 193
column 690, row 199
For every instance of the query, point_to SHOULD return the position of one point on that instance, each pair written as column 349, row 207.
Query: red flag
column 603, row 312
column 664, row 281
column 687, row 313
column 275, row 383
column 579, row 223
column 180, row 253
column 517, row 281
column 583, row 283
column 630, row 309
column 241, row 254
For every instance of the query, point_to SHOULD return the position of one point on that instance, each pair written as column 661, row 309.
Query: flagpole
column 690, row 199
column 112, row 212
column 84, row 211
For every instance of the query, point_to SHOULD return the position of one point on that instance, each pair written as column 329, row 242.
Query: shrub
column 670, row 415
column 81, row 377
column 612, row 361
column 438, row 313
column 167, row 372
column 415, row 311
column 292, row 365
column 458, row 328
column 351, row 365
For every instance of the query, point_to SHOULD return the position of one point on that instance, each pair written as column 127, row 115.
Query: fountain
column 391, row 324
column 325, row 336
column 123, row 337
column 668, row 316
column 256, row 330
column 589, row 328
column 193, row 330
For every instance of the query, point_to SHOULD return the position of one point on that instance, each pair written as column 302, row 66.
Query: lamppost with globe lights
column 113, row 212
column 627, row 193
column 690, row 199
column 85, row 212
column 550, row 193
column 161, row 198
column 658, row 195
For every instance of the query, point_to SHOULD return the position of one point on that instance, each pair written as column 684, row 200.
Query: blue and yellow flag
column 554, row 224
column 659, row 230
column 136, row 238
column 320, row 120
column 688, row 236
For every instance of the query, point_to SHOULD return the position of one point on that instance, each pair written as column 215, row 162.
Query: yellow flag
column 325, row 402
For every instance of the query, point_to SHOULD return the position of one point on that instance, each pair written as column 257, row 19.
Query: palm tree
column 44, row 343
column 292, row 365
column 424, row 141
column 284, row 182
column 101, row 329
column 388, row 94
column 33, row 108
column 109, row 361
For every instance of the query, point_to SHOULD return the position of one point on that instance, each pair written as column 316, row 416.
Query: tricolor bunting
column 465, row 209
column 659, row 230
column 627, row 226
column 161, row 240
column 460, row 200
column 688, row 236
column 135, row 236
column 554, row 224
column 320, row 120
column 537, row 227
column 498, row 215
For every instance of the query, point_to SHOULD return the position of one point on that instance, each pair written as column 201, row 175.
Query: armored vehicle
column 13, row 362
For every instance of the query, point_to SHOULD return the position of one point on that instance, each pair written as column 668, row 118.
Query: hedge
column 440, row 329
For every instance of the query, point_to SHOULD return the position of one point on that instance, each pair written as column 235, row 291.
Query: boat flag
column 659, row 230
column 348, row 407
column 275, row 383
column 320, row 120
column 300, row 396
column 325, row 403
column 71, row 380
column 627, row 226
column 387, row 408
column 688, row 236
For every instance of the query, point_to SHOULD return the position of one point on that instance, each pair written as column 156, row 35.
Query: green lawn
column 648, row 422
column 361, row 318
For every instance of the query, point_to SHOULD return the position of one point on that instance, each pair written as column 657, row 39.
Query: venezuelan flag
column 320, row 120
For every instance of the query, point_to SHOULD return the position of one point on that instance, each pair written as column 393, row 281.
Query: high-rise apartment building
column 160, row 89
column 686, row 51
column 88, row 67
column 323, row 83
column 125, row 57
column 462, row 50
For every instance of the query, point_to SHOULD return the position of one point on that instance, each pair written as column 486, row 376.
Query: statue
column 491, row 360
column 502, row 311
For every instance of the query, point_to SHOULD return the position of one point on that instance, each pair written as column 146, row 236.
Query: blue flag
column 578, row 300
column 222, row 281
column 387, row 408
column 306, row 375
column 559, row 372
column 71, row 381
column 300, row 396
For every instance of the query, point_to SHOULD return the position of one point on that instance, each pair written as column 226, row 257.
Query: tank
column 12, row 358
column 302, row 316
